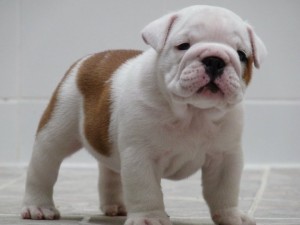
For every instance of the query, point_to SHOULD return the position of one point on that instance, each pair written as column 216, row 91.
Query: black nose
column 214, row 66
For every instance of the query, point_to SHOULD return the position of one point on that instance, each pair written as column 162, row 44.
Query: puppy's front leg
column 221, row 180
column 142, row 190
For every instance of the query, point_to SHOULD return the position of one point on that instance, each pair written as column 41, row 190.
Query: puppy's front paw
column 148, row 219
column 232, row 216
column 40, row 213
column 114, row 210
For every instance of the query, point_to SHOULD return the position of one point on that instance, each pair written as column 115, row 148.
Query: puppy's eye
column 183, row 46
column 242, row 55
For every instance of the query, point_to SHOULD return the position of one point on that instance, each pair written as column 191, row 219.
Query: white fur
column 160, row 126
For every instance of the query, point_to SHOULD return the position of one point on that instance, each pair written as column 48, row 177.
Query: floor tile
column 272, row 194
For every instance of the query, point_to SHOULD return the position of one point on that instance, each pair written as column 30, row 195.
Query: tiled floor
column 271, row 194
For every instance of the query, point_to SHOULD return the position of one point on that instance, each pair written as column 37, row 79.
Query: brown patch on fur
column 52, row 103
column 248, row 71
column 93, row 83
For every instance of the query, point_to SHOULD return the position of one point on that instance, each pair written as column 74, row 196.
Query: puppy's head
column 205, row 55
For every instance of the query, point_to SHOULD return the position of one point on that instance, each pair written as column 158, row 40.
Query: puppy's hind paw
column 148, row 218
column 114, row 210
column 148, row 221
column 40, row 213
column 232, row 217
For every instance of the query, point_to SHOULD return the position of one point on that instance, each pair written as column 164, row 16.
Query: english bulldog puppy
column 163, row 113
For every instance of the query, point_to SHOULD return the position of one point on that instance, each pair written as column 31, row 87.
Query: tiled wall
column 40, row 39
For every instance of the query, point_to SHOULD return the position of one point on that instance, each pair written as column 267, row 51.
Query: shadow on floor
column 120, row 220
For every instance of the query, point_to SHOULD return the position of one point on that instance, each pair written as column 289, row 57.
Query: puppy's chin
column 218, row 94
column 211, row 96
column 207, row 100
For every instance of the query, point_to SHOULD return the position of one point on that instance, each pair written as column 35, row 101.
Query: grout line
column 20, row 98
column 23, row 100
column 85, row 220
column 260, row 192
column 112, row 219
column 277, row 218
column 256, row 218
column 190, row 199
column 14, row 165
column 263, row 166
column 275, row 101
column 18, row 81
column 70, row 165
column 93, row 165
column 9, row 215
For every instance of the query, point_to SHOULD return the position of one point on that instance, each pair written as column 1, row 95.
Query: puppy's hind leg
column 56, row 139
column 110, row 192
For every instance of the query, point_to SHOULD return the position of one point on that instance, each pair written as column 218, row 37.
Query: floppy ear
column 259, row 50
column 156, row 33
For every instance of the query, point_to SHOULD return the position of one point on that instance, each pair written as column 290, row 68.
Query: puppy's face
column 205, row 54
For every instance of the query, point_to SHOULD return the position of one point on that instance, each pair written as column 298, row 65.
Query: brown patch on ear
column 52, row 103
column 248, row 71
column 94, row 84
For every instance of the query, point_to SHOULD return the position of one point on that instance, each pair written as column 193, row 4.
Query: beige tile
column 9, row 139
column 77, row 199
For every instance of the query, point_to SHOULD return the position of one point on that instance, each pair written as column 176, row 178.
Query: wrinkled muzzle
column 209, row 69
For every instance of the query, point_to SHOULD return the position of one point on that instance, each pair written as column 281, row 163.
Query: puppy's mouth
column 211, row 86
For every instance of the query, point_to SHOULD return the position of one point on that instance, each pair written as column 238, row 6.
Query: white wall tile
column 56, row 33
column 272, row 133
column 29, row 116
column 9, row 141
column 9, row 37
column 277, row 24
column 41, row 39
column 278, row 77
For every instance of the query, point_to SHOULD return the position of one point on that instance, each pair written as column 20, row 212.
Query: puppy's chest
column 182, row 150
